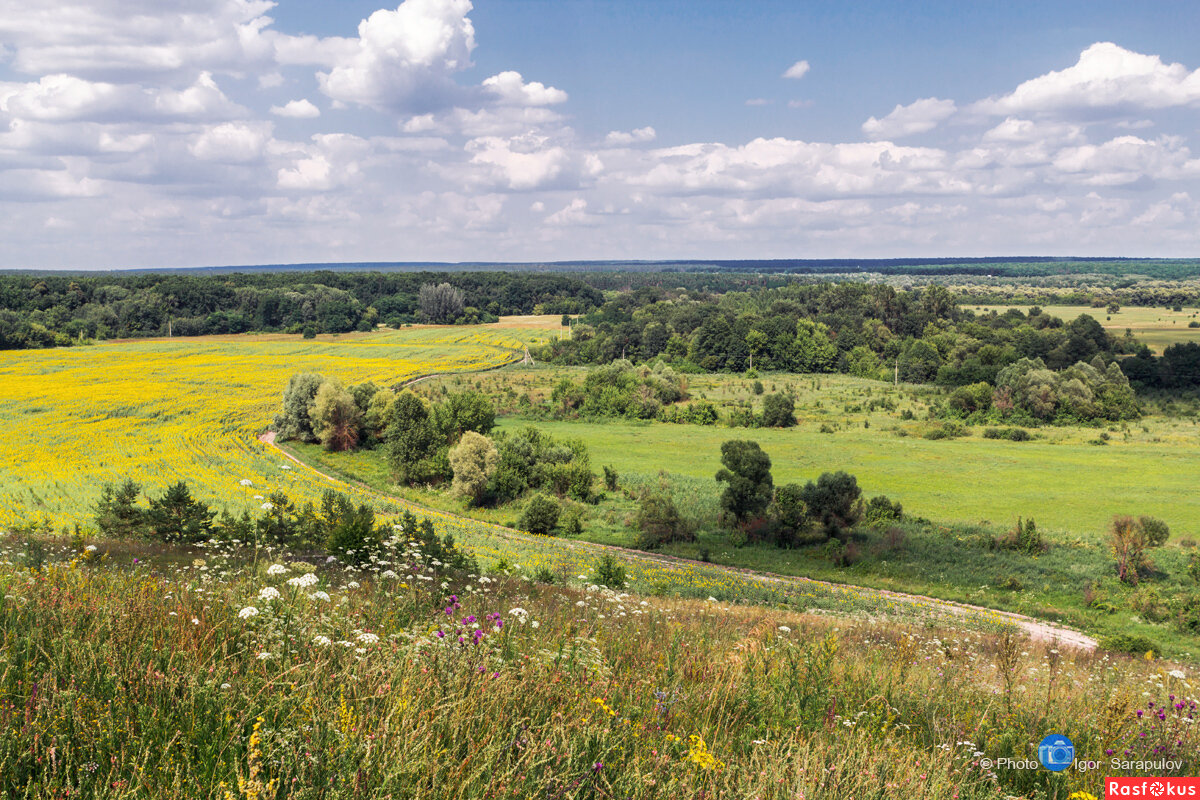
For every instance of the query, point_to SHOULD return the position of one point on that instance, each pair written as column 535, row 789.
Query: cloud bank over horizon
column 175, row 133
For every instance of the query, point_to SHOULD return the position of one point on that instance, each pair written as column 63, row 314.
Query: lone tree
column 178, row 517
column 440, row 303
column 779, row 411
column 414, row 444
column 747, row 470
column 336, row 417
column 791, row 514
column 117, row 512
column 474, row 461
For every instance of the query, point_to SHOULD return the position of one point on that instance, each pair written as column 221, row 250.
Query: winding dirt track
column 1035, row 629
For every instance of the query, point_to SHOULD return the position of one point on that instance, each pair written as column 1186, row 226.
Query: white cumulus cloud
column 511, row 89
column 297, row 109
column 635, row 136
column 920, row 116
column 404, row 59
column 232, row 142
column 1106, row 78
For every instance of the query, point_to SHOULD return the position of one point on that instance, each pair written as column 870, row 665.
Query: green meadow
column 1067, row 486
column 957, row 493
column 1072, row 480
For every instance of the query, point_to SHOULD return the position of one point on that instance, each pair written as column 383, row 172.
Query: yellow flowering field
column 164, row 410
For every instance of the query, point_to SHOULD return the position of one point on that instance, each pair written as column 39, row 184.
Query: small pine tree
column 176, row 516
column 117, row 512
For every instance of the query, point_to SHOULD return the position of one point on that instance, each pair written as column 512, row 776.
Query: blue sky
column 189, row 132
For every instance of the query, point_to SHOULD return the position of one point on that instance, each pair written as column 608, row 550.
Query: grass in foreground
column 159, row 681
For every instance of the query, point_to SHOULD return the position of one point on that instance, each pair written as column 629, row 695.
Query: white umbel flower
column 248, row 612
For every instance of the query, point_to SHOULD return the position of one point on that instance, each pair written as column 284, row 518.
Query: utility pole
column 897, row 381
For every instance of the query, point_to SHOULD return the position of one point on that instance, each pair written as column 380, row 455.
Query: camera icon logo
column 1056, row 752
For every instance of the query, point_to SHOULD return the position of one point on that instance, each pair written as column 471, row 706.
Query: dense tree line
column 867, row 330
column 48, row 310
column 1177, row 368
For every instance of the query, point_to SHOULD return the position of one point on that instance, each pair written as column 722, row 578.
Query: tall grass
column 152, row 680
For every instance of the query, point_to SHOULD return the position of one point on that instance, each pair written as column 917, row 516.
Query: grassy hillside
column 216, row 674
column 971, row 488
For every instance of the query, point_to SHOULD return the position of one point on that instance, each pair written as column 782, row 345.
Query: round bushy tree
column 660, row 522
column 540, row 515
column 335, row 417
column 791, row 514
column 441, row 302
column 779, row 411
column 294, row 420
column 747, row 472
column 834, row 501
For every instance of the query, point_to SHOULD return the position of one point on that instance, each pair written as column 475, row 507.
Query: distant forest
column 994, row 266
column 59, row 310
column 876, row 331
column 709, row 316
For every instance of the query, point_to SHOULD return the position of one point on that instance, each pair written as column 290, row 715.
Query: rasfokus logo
column 1151, row 787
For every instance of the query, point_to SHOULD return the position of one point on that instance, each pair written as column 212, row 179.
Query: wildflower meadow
column 232, row 672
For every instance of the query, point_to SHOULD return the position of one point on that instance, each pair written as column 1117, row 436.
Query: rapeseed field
column 161, row 411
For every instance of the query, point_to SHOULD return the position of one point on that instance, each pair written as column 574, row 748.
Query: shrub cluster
column 659, row 521
column 1129, row 539
column 1023, row 538
column 335, row 525
column 792, row 514
column 620, row 390
column 1028, row 389
column 1012, row 434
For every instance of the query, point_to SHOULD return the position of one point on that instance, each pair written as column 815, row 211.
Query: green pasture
column 1070, row 479
column 1067, row 486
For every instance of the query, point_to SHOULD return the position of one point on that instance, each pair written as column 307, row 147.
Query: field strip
column 1037, row 630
